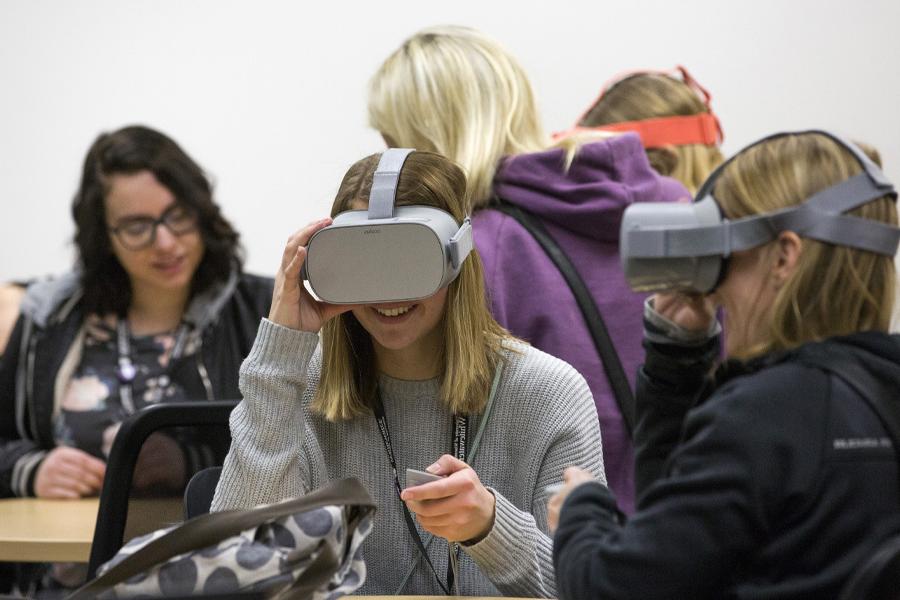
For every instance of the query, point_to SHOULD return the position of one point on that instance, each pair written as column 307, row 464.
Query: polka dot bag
column 307, row 547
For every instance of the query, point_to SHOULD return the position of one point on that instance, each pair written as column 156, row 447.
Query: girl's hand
column 457, row 508
column 69, row 473
column 573, row 476
column 693, row 313
column 292, row 305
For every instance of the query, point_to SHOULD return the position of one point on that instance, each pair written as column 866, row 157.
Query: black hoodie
column 775, row 480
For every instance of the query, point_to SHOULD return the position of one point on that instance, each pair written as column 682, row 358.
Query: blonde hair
column 835, row 290
column 454, row 91
column 651, row 95
column 472, row 338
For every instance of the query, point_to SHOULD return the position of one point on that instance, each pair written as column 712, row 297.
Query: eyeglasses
column 137, row 233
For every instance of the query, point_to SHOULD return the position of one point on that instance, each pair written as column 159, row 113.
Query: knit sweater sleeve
column 517, row 554
column 267, row 461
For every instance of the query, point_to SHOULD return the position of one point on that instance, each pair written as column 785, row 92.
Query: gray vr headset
column 386, row 253
column 674, row 246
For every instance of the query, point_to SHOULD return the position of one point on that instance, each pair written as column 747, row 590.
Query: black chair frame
column 112, row 512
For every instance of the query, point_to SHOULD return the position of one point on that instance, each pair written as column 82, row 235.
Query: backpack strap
column 880, row 397
column 612, row 365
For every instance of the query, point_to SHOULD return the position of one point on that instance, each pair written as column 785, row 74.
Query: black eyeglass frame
column 175, row 208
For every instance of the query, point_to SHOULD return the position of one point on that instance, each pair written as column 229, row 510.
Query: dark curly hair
column 107, row 288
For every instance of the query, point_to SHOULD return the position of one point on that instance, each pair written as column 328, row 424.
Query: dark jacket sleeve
column 672, row 379
column 19, row 458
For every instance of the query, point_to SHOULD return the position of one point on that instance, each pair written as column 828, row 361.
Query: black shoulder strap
column 597, row 327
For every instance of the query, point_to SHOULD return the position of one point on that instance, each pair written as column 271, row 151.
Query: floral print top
column 91, row 410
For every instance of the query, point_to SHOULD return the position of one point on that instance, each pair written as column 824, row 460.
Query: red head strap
column 703, row 128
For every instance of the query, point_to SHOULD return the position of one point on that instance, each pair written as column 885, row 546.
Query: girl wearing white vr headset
column 431, row 383
column 778, row 476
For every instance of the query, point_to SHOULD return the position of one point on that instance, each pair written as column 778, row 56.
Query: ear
column 788, row 248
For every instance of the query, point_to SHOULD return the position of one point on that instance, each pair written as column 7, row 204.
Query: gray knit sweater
column 543, row 421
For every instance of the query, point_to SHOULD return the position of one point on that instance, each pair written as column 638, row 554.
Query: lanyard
column 126, row 371
column 460, row 431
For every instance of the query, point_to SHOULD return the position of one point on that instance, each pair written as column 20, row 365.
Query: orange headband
column 703, row 128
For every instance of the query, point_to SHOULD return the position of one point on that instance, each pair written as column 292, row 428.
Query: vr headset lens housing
column 666, row 246
column 645, row 270
column 386, row 254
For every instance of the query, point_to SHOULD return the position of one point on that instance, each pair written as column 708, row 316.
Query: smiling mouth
column 168, row 264
column 393, row 312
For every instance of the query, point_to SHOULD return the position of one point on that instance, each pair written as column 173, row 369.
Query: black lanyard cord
column 460, row 429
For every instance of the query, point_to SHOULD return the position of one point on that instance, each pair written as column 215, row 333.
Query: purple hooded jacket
column 582, row 209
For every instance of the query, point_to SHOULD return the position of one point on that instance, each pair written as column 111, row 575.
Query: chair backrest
column 198, row 495
column 879, row 577
column 202, row 435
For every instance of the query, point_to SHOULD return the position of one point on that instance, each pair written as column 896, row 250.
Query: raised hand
column 573, row 476
column 292, row 305
column 694, row 313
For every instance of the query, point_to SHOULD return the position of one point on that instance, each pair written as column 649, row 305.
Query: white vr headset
column 674, row 246
column 386, row 254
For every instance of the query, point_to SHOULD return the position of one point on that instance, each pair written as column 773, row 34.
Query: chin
column 391, row 342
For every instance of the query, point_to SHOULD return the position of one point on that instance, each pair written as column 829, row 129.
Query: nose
column 165, row 239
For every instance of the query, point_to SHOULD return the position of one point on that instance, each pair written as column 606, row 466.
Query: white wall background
column 269, row 96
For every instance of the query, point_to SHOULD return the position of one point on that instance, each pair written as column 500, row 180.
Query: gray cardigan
column 543, row 420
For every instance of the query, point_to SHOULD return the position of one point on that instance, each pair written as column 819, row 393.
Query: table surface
column 42, row 530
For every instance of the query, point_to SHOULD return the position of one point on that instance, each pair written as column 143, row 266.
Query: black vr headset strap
column 612, row 366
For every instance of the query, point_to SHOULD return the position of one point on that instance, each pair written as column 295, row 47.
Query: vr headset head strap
column 818, row 217
column 657, row 132
column 384, row 182
column 384, row 194
column 871, row 171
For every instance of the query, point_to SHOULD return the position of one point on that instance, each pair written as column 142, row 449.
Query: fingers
column 77, row 486
column 61, row 493
column 576, row 475
column 87, row 468
column 456, row 483
column 292, row 305
column 292, row 269
column 300, row 239
column 67, row 473
column 553, row 508
column 446, row 465
column 83, row 464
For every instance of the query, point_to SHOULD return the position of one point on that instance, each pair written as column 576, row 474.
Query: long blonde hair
column 472, row 338
column 651, row 95
column 454, row 91
column 835, row 290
